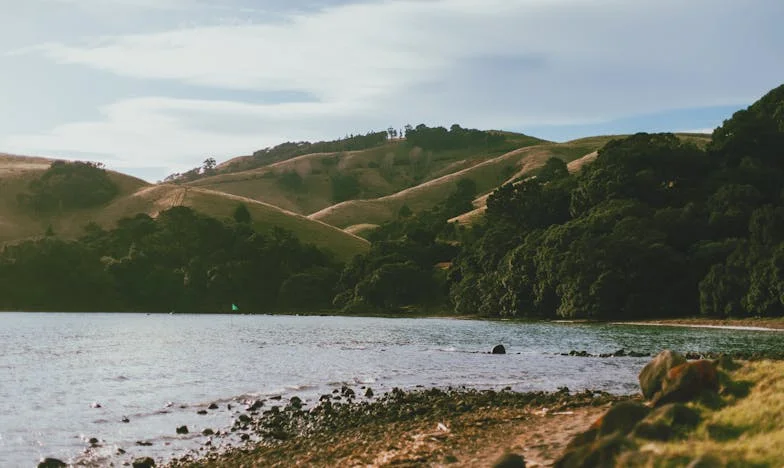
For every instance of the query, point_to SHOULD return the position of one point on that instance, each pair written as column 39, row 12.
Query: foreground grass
column 748, row 431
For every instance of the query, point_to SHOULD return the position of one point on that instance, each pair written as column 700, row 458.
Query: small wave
column 299, row 388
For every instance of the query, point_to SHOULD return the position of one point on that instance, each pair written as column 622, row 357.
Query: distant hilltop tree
column 69, row 185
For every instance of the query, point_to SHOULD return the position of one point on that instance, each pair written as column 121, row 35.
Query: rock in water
column 510, row 460
column 499, row 349
column 145, row 462
column 182, row 430
column 653, row 374
column 51, row 463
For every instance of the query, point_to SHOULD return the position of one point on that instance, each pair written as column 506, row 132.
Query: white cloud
column 485, row 63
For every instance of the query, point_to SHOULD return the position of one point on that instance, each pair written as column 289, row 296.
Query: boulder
column 51, row 463
column 144, row 462
column 255, row 405
column 207, row 432
column 510, row 460
column 499, row 349
column 369, row 393
column 601, row 453
column 653, row 374
column 212, row 406
column 182, row 430
column 620, row 418
column 687, row 381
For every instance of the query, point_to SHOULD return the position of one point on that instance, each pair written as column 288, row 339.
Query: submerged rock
column 144, row 462
column 499, row 349
column 653, row 374
column 52, row 463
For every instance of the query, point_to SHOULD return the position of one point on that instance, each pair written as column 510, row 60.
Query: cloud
column 484, row 63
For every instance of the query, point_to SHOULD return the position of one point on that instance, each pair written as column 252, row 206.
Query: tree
column 208, row 166
column 242, row 214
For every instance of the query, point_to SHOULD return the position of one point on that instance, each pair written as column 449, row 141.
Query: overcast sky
column 151, row 87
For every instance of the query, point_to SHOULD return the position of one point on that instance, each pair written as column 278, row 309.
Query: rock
column 213, row 406
column 244, row 418
column 182, row 430
column 499, row 349
column 620, row 353
column 125, row 419
column 143, row 443
column 52, row 463
column 120, row 451
column 369, row 393
column 687, row 381
column 637, row 354
column 144, row 462
column 510, row 460
column 295, row 402
column 653, row 374
column 255, row 405
column 601, row 453
column 207, row 432
column 93, row 441
column 244, row 437
column 95, row 404
column 202, row 412
column 620, row 418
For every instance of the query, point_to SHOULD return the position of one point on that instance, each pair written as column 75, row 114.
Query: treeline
column 69, row 185
column 286, row 151
column 441, row 139
column 180, row 261
column 654, row 228
column 406, row 266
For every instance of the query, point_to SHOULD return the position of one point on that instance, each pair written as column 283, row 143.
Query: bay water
column 130, row 378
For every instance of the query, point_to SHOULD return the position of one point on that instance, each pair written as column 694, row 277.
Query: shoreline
column 771, row 325
column 427, row 427
column 739, row 423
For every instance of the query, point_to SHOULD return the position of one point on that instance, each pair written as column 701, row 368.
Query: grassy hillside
column 303, row 184
column 573, row 164
column 137, row 196
column 487, row 175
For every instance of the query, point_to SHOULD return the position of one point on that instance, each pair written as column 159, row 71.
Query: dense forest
column 655, row 227
column 180, row 261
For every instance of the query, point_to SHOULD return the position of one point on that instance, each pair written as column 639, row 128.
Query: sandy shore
column 730, row 324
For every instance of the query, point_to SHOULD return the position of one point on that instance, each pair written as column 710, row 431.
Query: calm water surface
column 159, row 370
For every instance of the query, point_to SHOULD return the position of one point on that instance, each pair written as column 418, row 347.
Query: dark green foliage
column 439, row 138
column 344, row 187
column 283, row 152
column 69, row 185
column 242, row 214
column 654, row 228
column 180, row 261
column 291, row 180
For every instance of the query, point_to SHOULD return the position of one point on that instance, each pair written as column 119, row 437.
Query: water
column 159, row 370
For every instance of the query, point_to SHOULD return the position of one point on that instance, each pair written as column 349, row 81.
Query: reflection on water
column 157, row 371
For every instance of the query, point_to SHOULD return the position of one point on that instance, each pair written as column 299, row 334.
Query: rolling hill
column 304, row 184
column 136, row 196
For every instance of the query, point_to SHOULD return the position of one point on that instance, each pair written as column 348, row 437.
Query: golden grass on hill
column 136, row 196
column 381, row 171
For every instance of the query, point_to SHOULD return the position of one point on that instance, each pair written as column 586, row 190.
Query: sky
column 152, row 87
